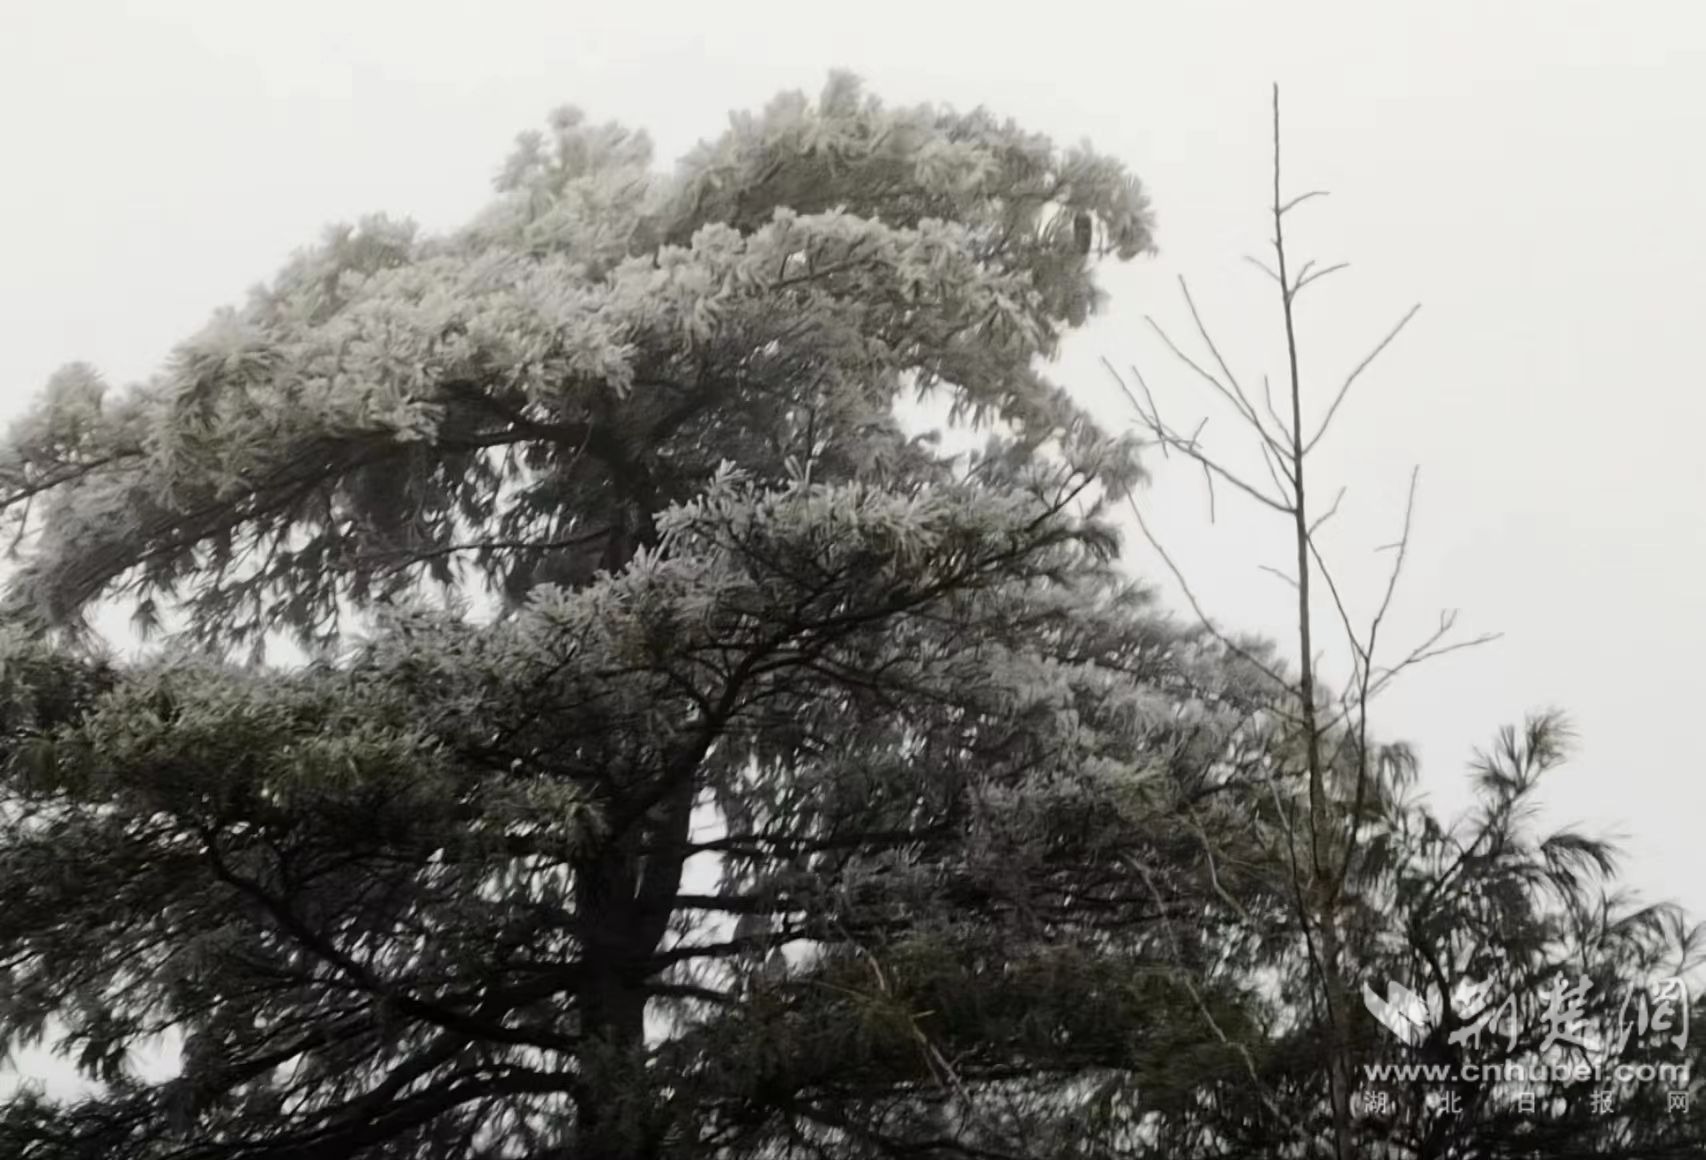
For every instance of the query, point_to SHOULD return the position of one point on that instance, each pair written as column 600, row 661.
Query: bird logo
column 1404, row 1013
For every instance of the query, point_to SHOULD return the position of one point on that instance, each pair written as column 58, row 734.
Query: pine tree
column 785, row 799
column 1481, row 921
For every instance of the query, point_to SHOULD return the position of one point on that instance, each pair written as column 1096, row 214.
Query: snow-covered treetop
column 517, row 402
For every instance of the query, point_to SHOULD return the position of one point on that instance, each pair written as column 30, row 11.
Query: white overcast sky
column 1531, row 172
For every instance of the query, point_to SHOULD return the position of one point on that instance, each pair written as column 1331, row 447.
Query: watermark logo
column 1564, row 1043
column 1654, row 1014
column 1404, row 1013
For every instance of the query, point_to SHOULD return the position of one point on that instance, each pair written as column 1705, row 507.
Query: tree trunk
column 612, row 1001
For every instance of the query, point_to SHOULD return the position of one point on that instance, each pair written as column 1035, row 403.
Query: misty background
column 1529, row 172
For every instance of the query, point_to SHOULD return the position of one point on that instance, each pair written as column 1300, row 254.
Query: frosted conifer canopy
column 517, row 402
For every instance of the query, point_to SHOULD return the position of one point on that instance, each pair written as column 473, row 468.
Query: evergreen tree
column 789, row 800
column 688, row 761
column 1523, row 957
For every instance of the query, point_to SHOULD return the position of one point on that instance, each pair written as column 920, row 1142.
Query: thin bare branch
column 1234, row 398
column 1357, row 373
column 1429, row 654
column 1277, row 505
column 1277, row 470
column 1397, row 564
column 1428, row 649
column 1208, row 625
column 1213, row 871
column 1268, row 398
column 1360, row 655
column 1303, row 280
column 1169, row 438
column 1281, row 211
column 1264, row 268
column 1135, row 405
column 1238, row 397
column 1315, row 524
